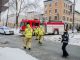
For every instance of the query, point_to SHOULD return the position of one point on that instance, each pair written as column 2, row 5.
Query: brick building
column 58, row 10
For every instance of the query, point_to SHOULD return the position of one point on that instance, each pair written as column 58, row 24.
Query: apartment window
column 45, row 12
column 67, row 19
column 50, row 4
column 64, row 5
column 64, row 11
column 63, row 17
column 56, row 11
column 56, row 4
column 49, row 18
column 45, row 6
column 55, row 18
column 71, row 19
column 68, row 7
column 50, row 11
column 68, row 12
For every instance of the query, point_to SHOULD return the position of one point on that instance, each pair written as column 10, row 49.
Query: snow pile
column 56, row 38
column 14, row 54
column 16, row 31
column 75, row 40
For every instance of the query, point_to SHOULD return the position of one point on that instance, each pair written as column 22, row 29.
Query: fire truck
column 54, row 27
column 32, row 23
column 49, row 27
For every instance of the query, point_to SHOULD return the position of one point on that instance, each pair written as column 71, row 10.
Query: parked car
column 6, row 30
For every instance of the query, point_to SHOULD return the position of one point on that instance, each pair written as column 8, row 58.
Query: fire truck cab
column 33, row 24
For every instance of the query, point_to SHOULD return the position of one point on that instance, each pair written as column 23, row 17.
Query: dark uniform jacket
column 65, row 37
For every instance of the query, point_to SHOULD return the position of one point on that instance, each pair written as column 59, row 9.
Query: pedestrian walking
column 65, row 39
column 28, row 37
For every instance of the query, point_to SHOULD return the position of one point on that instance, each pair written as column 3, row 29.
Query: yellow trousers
column 36, row 35
column 40, row 38
column 27, row 42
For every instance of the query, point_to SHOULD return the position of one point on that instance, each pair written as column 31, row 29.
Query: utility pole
column 73, row 16
column 16, row 14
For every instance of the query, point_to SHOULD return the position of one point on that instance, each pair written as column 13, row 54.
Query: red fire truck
column 33, row 24
column 54, row 27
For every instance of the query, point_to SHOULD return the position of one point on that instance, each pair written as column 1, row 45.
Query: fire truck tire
column 56, row 32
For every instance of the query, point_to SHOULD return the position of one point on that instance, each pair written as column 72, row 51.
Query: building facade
column 59, row 10
column 77, row 19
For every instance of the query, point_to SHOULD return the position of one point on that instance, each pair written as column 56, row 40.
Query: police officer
column 65, row 39
column 40, row 34
column 28, row 37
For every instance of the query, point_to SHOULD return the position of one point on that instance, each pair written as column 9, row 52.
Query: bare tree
column 19, row 6
column 16, row 6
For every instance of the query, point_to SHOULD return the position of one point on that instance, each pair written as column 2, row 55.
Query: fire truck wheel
column 56, row 32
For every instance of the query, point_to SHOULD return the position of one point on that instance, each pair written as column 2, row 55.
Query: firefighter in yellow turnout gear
column 28, row 37
column 36, row 33
column 40, row 34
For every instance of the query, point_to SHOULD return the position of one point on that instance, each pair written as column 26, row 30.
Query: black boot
column 40, row 43
column 24, row 47
column 29, row 48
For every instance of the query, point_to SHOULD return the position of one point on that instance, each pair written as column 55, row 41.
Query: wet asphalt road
column 48, row 51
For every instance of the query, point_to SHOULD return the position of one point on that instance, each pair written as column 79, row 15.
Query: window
column 64, row 4
column 67, row 19
column 50, row 5
column 64, row 11
column 68, row 7
column 63, row 17
column 56, row 4
column 35, row 24
column 45, row 12
column 49, row 17
column 50, row 11
column 56, row 11
column 45, row 6
column 22, row 24
column 55, row 18
column 70, row 19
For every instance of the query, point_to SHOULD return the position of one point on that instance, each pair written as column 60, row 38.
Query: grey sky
column 77, row 5
column 42, row 4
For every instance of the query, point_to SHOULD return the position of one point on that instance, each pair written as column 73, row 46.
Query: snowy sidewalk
column 14, row 54
column 73, row 39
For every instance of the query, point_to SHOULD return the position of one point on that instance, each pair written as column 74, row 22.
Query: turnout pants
column 65, row 53
column 40, row 38
column 27, row 42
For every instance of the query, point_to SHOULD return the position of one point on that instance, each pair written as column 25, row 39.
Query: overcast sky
column 42, row 4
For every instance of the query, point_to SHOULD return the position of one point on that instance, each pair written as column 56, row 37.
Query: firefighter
column 36, row 33
column 40, row 34
column 28, row 37
column 65, row 39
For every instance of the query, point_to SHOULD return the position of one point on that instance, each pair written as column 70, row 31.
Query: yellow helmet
column 28, row 25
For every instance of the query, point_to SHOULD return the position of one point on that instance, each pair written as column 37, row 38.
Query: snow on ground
column 14, row 54
column 73, row 39
column 16, row 31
